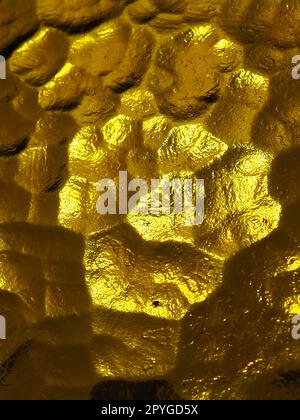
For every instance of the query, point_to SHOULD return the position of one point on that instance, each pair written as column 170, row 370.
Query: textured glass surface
column 140, row 306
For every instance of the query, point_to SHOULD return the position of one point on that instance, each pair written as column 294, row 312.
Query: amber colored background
column 144, row 306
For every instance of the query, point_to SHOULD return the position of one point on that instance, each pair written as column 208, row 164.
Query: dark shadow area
column 14, row 149
column 287, row 379
column 7, row 52
column 284, row 178
column 126, row 390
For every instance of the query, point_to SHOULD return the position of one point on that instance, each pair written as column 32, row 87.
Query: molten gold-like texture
column 95, row 304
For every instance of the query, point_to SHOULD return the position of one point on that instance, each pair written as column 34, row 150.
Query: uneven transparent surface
column 144, row 306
